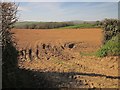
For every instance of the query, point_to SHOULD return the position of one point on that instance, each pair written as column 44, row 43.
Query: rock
column 71, row 45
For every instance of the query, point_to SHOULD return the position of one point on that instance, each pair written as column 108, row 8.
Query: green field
column 81, row 26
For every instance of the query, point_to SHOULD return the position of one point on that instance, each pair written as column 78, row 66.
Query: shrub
column 112, row 47
column 111, row 28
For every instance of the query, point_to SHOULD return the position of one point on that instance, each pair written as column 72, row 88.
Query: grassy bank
column 112, row 47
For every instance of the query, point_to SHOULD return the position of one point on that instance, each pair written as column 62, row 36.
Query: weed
column 112, row 47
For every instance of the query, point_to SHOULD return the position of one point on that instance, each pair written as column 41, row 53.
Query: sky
column 61, row 0
column 67, row 11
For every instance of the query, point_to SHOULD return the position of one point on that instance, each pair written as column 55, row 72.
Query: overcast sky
column 67, row 11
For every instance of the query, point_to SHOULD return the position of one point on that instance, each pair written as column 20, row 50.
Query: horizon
column 67, row 11
column 61, row 21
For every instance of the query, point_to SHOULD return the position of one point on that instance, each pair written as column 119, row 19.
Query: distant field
column 81, row 26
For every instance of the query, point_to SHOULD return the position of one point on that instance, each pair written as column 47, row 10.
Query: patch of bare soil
column 54, row 58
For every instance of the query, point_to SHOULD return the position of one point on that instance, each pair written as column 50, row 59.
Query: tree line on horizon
column 52, row 25
column 42, row 25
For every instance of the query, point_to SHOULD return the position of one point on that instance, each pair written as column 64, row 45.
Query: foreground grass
column 112, row 47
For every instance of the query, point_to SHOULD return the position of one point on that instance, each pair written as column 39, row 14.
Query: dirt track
column 68, row 68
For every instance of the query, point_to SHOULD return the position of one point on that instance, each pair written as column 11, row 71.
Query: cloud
column 40, row 11
column 20, row 8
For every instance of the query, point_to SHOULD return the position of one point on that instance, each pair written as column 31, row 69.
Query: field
column 89, row 25
column 57, row 60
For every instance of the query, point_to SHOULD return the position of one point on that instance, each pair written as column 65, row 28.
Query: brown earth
column 56, row 36
column 59, row 61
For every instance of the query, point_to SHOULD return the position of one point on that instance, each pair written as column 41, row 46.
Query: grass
column 84, row 25
column 87, row 54
column 112, row 47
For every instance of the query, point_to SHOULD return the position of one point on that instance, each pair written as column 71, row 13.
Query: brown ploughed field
column 57, row 58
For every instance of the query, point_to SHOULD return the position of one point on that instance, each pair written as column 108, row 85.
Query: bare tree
column 8, row 11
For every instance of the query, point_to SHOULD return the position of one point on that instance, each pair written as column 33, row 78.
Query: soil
column 59, row 62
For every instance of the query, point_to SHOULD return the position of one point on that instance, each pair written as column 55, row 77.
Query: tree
column 111, row 28
column 8, row 11
column 8, row 18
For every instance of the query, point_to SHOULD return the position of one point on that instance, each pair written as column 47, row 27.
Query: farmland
column 60, row 63
column 54, row 45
